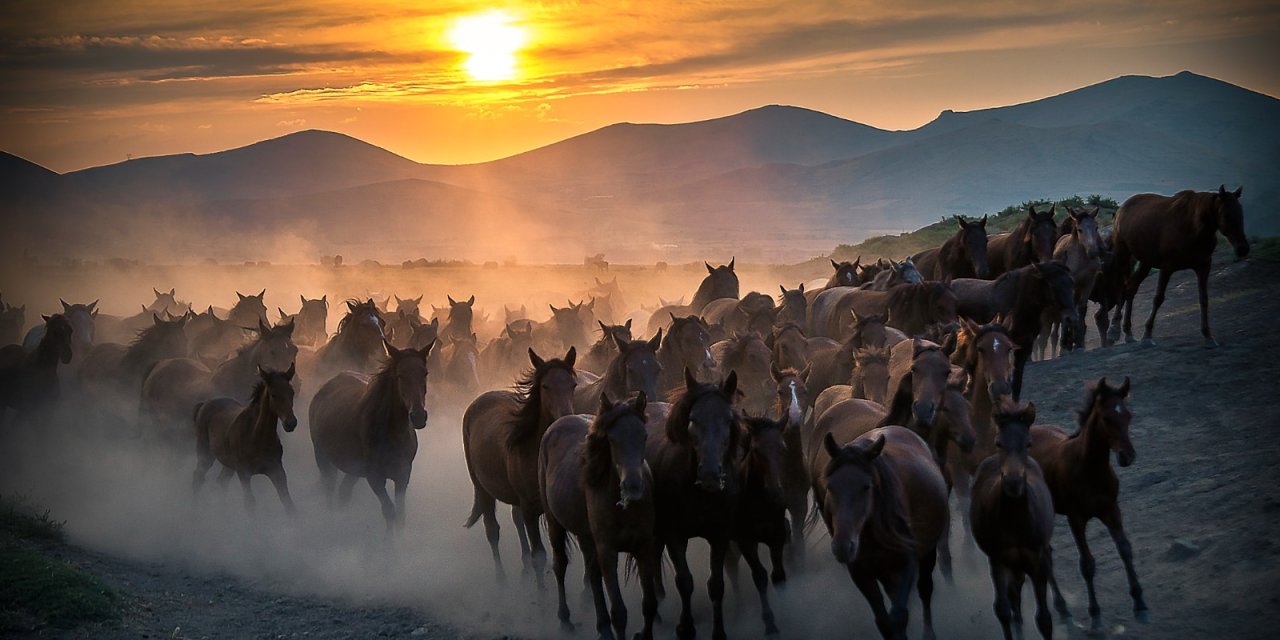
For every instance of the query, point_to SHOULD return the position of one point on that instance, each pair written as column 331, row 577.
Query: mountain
column 774, row 183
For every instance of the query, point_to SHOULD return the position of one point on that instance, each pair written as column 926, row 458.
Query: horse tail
column 482, row 501
column 202, row 432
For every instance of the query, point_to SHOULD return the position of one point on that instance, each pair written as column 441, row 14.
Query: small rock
column 420, row 631
column 1182, row 549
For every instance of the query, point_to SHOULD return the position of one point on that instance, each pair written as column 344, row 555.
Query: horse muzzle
column 966, row 443
column 290, row 424
column 629, row 492
column 1126, row 458
column 923, row 412
column 712, row 481
column 1242, row 250
column 844, row 550
column 418, row 418
column 1014, row 486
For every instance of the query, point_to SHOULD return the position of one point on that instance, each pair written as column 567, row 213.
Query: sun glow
column 490, row 41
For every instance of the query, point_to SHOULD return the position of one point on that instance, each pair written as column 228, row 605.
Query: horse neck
column 46, row 354
column 1090, row 448
column 382, row 407
column 264, row 418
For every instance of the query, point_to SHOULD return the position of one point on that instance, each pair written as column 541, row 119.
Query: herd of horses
column 863, row 402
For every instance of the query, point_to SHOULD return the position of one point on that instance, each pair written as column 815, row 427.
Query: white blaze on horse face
column 793, row 412
column 995, row 343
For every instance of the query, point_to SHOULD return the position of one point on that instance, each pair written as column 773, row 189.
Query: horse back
column 924, row 488
column 486, row 429
column 1076, row 487
column 1165, row 231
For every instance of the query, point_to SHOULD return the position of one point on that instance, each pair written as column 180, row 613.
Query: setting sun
column 491, row 42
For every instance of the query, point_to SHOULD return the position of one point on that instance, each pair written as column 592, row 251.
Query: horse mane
column 596, row 457
column 528, row 392
column 888, row 524
column 1084, row 408
column 342, row 324
column 682, row 403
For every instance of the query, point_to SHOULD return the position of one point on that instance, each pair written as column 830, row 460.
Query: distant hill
column 777, row 183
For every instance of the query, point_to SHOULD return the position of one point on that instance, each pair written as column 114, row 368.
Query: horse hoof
column 567, row 627
column 1210, row 343
column 1143, row 616
column 771, row 630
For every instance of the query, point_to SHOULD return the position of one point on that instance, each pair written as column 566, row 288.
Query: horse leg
column 328, row 477
column 1087, row 568
column 924, row 585
column 899, row 589
column 485, row 504
column 248, row 490
column 617, row 606
column 799, row 511
column 1115, row 524
column 647, row 563
column 751, row 553
column 676, row 550
column 1039, row 582
column 779, row 575
column 517, row 518
column 281, row 483
column 1202, row 282
column 225, row 476
column 1161, row 285
column 1130, row 291
column 558, row 538
column 871, row 591
column 344, row 489
column 731, row 567
column 715, row 587
column 402, row 486
column 594, row 578
column 1101, row 319
column 203, row 464
column 537, row 553
column 1015, row 601
column 379, row 486
column 1003, row 608
column 1059, row 602
column 1020, row 358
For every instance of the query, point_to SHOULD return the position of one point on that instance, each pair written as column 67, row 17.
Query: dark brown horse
column 1080, row 249
column 1012, row 516
column 793, row 307
column 459, row 321
column 760, row 517
column 634, row 369
column 249, row 310
column 460, row 364
column 1023, row 296
column 846, row 275
column 12, row 319
column 793, row 403
column 501, row 431
column 366, row 429
column 357, row 346
column 788, row 346
column 567, row 327
column 1172, row 233
column 243, row 438
column 81, row 317
column 596, row 485
column 912, row 308
column 503, row 357
column 695, row 489
column 748, row 355
column 603, row 350
column 833, row 363
column 918, row 374
column 213, row 339
column 687, row 345
column 894, row 274
column 117, row 370
column 754, row 312
column 1031, row 241
column 29, row 381
column 1077, row 469
column 963, row 255
column 885, row 506
column 721, row 282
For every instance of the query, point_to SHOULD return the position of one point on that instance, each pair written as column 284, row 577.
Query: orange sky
column 89, row 83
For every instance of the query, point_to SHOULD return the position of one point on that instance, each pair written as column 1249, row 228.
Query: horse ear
column 672, row 314
column 426, row 351
column 417, row 300
column 451, row 300
column 598, row 283
column 351, row 306
column 857, row 319
column 656, row 341
column 391, row 348
column 775, row 372
column 1238, row 192
column 949, row 344
column 605, row 403
column 732, row 259
column 961, row 223
column 710, row 269
column 571, row 357
column 293, row 370
column 1124, row 388
column 627, row 324
column 157, row 291
column 1222, row 190
column 984, row 221
column 44, row 317
column 730, row 385
column 829, row 443
column 262, row 373
column 876, row 447
column 603, row 329
column 782, row 289
column 156, row 318
column 435, row 323
column 303, row 299
column 93, row 306
column 66, row 308
column 641, row 401
column 240, row 296
column 835, row 265
column 533, row 357
column 1029, row 414
column 801, row 287
column 324, row 298
column 398, row 300
column 262, row 327
column 471, row 300
column 283, row 315
column 690, row 382
column 553, row 308
column 172, row 291
column 804, row 375
column 261, row 294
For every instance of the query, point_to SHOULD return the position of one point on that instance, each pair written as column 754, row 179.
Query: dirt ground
column 1201, row 504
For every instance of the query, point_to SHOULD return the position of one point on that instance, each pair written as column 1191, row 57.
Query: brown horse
column 1023, row 296
column 1172, row 233
column 721, row 282
column 504, row 355
column 793, row 307
column 760, row 517
column 366, row 429
column 1080, row 249
column 458, row 323
column 1031, row 241
column 894, row 274
column 357, row 346
column 595, row 484
column 634, row 369
column 567, row 327
column 911, row 308
column 788, row 346
column 885, row 506
column 81, row 317
column 243, row 438
column 501, row 431
column 603, row 350
column 846, row 275
column 687, row 345
column 793, row 403
column 1012, row 516
column 695, row 489
column 213, row 339
column 918, row 375
column 249, row 310
column 29, row 381
column 311, row 322
column 1077, row 469
column 748, row 355
column 963, row 255
column 460, row 364
column 117, row 370
column 832, row 363
column 754, row 312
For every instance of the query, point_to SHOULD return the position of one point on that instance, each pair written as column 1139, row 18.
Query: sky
column 90, row 83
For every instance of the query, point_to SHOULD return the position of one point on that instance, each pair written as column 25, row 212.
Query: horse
column 459, row 364
column 357, row 346
column 1081, row 251
column 1031, row 241
column 869, row 381
column 884, row 503
column 610, row 294
column 760, row 516
column 594, row 481
column 1012, row 516
column 81, row 317
column 501, row 432
column 695, row 489
column 29, row 380
column 567, row 327
column 117, row 370
column 686, row 345
column 1172, row 233
column 365, row 428
column 503, row 355
column 635, row 368
column 963, row 255
column 895, row 274
column 602, row 351
column 213, row 339
column 1077, row 470
column 400, row 326
column 117, row 329
column 918, row 372
column 748, row 355
column 243, row 438
column 911, row 308
column 660, row 316
column 1023, row 296
column 793, row 403
column 310, row 322
column 458, row 322
column 248, row 310
column 788, row 346
column 832, row 363
column 846, row 274
column 793, row 307
column 721, row 282
column 754, row 312
column 12, row 319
